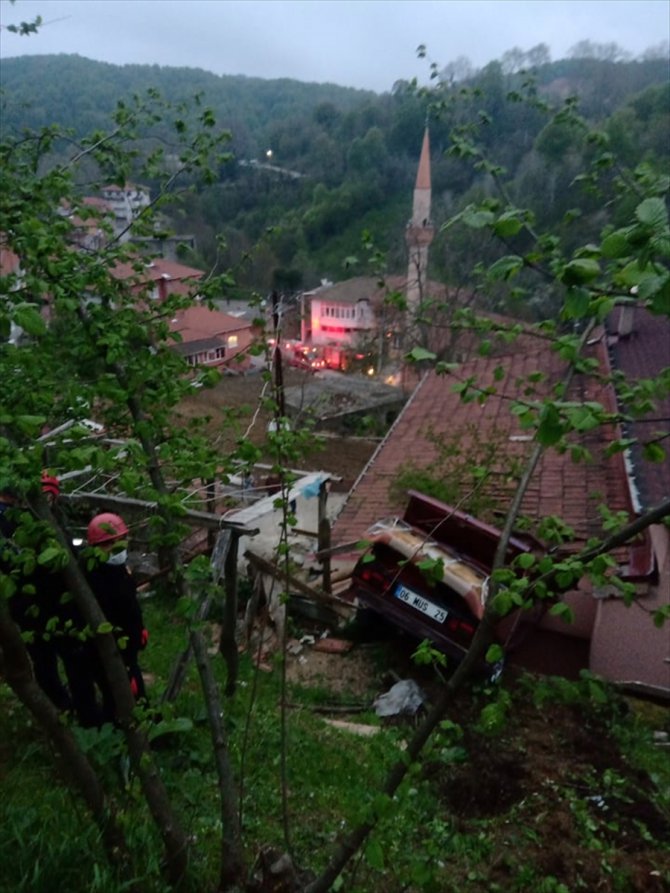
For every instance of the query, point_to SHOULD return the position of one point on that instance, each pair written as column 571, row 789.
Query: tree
column 107, row 351
column 593, row 277
column 107, row 348
column 460, row 69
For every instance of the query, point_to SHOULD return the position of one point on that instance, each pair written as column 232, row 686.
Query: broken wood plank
column 189, row 516
column 268, row 567
column 220, row 553
column 353, row 546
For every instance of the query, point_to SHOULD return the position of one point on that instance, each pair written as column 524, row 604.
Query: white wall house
column 339, row 314
column 126, row 202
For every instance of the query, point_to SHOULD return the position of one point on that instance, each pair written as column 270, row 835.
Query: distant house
column 620, row 643
column 10, row 264
column 87, row 230
column 340, row 314
column 125, row 203
column 208, row 337
column 212, row 338
column 159, row 277
column 355, row 311
column 120, row 206
column 164, row 244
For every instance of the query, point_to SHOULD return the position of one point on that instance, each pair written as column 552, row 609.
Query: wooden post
column 324, row 536
column 228, row 640
column 226, row 542
column 210, row 502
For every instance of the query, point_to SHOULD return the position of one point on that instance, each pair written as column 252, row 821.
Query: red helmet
column 50, row 484
column 106, row 528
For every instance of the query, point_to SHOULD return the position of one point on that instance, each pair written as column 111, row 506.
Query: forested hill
column 356, row 153
column 79, row 93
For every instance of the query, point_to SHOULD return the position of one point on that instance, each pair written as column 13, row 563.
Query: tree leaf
column 653, row 452
column 28, row 317
column 49, row 555
column 494, row 654
column 477, row 218
column 508, row 224
column 374, row 855
column 505, row 267
column 560, row 609
column 577, row 304
column 652, row 212
column 550, row 429
column 580, row 270
column 179, row 725
column 418, row 354
column 615, row 245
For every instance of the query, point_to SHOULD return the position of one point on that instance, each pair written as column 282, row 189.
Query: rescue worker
column 115, row 589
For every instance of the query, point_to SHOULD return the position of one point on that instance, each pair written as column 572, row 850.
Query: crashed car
column 428, row 572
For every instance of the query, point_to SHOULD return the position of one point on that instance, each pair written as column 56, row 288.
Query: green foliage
column 108, row 350
column 358, row 149
column 473, row 477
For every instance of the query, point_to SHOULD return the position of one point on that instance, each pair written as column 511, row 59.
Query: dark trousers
column 44, row 656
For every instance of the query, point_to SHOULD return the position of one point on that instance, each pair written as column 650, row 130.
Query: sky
column 369, row 44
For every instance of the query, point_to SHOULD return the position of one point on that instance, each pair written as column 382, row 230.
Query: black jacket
column 116, row 591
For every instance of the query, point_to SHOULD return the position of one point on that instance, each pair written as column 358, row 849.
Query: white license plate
column 419, row 603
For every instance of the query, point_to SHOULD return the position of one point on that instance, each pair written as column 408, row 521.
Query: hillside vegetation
column 356, row 153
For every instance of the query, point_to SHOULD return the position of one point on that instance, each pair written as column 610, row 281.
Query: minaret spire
column 419, row 233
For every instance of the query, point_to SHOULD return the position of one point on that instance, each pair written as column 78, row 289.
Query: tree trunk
column 74, row 764
column 228, row 640
column 231, row 849
column 174, row 839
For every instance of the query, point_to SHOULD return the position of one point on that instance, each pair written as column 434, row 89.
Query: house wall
column 340, row 322
column 542, row 643
column 238, row 342
column 235, row 343
column 626, row 646
column 212, row 356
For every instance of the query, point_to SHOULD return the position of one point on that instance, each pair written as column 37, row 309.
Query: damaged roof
column 435, row 415
column 642, row 353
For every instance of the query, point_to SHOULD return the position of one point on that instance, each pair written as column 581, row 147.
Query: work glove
column 144, row 638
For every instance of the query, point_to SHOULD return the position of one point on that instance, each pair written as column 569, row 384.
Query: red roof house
column 436, row 418
column 160, row 277
column 212, row 338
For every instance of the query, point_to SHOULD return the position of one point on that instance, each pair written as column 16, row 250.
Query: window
column 232, row 341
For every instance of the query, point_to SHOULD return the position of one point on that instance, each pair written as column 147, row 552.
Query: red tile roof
column 435, row 415
column 642, row 354
column 199, row 323
column 94, row 201
column 157, row 268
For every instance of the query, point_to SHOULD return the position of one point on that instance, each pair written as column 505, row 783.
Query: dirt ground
column 233, row 410
column 550, row 786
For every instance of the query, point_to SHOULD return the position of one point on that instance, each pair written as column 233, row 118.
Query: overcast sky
column 357, row 43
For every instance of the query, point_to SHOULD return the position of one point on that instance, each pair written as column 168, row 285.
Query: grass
column 434, row 835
